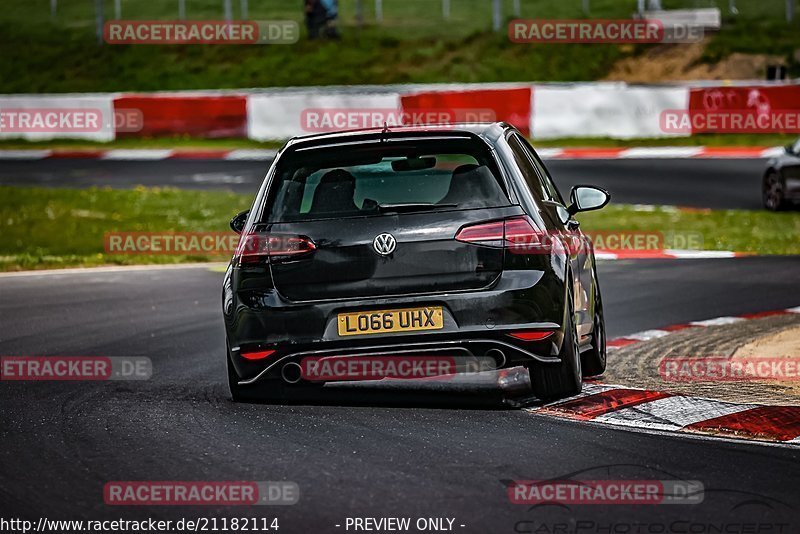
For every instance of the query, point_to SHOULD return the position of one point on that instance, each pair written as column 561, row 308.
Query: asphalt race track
column 387, row 454
column 712, row 183
column 64, row 441
column 708, row 183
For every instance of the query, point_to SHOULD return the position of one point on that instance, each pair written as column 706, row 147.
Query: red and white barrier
column 210, row 116
column 602, row 109
column 758, row 100
column 614, row 110
column 45, row 117
column 511, row 105
column 284, row 115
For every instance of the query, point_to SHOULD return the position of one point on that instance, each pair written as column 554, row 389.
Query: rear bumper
column 504, row 353
column 475, row 322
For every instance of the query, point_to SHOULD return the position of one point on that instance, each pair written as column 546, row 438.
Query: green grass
column 723, row 140
column 756, row 232
column 751, row 36
column 412, row 44
column 76, row 64
column 51, row 228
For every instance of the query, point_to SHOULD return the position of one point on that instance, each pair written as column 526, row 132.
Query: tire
column 593, row 361
column 772, row 192
column 555, row 381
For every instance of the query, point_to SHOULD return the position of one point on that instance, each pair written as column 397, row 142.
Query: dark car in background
column 421, row 241
column 780, row 186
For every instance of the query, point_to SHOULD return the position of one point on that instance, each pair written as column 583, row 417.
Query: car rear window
column 363, row 180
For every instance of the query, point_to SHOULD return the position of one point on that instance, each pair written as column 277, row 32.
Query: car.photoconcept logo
column 384, row 244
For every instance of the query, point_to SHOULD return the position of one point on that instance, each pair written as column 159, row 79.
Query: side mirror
column 587, row 198
column 237, row 223
column 789, row 149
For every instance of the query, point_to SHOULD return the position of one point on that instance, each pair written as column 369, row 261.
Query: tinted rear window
column 371, row 179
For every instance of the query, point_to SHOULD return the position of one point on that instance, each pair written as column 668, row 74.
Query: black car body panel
column 290, row 304
column 346, row 266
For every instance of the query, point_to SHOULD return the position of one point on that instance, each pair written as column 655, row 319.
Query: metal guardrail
column 707, row 18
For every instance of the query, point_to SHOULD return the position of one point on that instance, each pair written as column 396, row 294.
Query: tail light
column 531, row 335
column 260, row 355
column 260, row 248
column 490, row 234
column 517, row 235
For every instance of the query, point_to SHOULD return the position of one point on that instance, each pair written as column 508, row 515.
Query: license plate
column 385, row 321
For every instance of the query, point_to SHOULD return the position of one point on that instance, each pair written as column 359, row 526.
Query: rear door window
column 546, row 179
column 528, row 169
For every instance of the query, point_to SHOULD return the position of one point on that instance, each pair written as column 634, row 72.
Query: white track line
column 605, row 256
column 250, row 155
column 667, row 254
column 717, row 321
column 667, row 152
column 136, row 154
column 549, row 153
column 24, row 154
column 113, row 269
column 700, row 254
column 648, row 335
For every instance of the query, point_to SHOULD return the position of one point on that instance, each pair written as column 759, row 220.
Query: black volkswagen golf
column 412, row 243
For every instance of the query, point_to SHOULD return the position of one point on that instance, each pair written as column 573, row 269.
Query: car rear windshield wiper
column 413, row 206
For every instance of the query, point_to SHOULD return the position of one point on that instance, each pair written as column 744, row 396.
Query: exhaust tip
column 497, row 355
column 292, row 373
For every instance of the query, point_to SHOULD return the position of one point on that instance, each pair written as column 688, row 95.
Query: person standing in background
column 316, row 17
column 331, row 18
